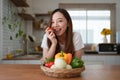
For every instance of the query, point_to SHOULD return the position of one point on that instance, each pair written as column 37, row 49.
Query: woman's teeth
column 57, row 31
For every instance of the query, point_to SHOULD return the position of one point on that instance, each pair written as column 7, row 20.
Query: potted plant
column 105, row 32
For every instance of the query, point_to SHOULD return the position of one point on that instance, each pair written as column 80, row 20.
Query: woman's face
column 59, row 23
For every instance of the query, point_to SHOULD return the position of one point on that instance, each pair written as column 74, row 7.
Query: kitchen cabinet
column 23, row 3
column 41, row 21
column 8, row 61
column 36, row 24
column 42, row 15
column 101, row 59
column 14, row 61
column 20, row 3
column 26, row 16
column 0, row 61
column 20, row 61
column 34, row 62
column 88, row 60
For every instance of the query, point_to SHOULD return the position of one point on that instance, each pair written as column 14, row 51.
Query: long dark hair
column 69, row 47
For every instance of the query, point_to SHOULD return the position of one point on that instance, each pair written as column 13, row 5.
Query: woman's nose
column 55, row 24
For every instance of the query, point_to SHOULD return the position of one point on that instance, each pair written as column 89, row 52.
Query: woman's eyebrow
column 58, row 18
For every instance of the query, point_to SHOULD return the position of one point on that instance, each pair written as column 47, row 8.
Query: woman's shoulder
column 77, row 39
column 75, row 34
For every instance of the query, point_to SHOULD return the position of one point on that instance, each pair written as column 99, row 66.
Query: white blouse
column 77, row 41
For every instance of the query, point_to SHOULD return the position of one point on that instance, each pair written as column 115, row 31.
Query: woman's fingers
column 46, row 29
column 51, row 35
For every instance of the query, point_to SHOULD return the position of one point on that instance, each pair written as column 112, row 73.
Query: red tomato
column 51, row 29
column 49, row 64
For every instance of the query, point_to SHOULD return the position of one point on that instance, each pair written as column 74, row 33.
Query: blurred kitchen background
column 22, row 23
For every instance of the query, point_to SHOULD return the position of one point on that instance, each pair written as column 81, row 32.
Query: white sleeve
column 44, row 42
column 77, row 40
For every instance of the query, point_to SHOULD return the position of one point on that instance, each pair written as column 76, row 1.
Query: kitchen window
column 90, row 19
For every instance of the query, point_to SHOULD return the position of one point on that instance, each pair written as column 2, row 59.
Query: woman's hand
column 51, row 35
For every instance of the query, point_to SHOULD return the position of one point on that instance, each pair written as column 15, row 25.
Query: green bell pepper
column 77, row 63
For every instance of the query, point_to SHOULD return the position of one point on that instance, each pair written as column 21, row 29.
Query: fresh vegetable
column 77, row 63
column 67, row 56
column 68, row 66
column 50, row 28
column 69, row 59
column 53, row 67
column 49, row 64
column 60, row 63
column 48, row 60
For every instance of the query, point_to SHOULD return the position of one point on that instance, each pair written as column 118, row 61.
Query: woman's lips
column 57, row 31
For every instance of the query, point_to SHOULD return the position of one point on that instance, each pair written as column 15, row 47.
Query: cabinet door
column 93, row 60
column 0, row 61
column 117, row 60
column 21, row 62
column 34, row 62
column 8, row 62
column 36, row 24
column 112, row 60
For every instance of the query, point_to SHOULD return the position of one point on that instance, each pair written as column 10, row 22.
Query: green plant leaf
column 24, row 35
column 11, row 38
column 10, row 26
column 20, row 32
column 4, row 18
column 16, row 35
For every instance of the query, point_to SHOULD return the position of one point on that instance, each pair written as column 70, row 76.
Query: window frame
column 96, row 6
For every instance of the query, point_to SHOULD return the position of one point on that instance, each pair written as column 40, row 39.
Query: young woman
column 59, row 36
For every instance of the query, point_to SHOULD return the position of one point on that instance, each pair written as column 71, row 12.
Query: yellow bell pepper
column 66, row 56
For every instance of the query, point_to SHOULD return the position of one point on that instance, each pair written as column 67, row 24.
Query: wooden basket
column 62, row 73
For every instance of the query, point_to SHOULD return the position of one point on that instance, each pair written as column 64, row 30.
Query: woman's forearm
column 78, row 53
column 51, row 51
column 47, row 53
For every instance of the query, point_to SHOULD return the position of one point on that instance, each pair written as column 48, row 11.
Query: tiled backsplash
column 9, row 9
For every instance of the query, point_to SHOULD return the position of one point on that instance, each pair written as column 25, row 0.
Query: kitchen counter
column 33, row 72
column 37, row 57
column 25, row 57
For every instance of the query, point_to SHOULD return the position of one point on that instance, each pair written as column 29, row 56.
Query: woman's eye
column 60, row 20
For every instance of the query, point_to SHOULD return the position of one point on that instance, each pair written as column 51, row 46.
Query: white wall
column 0, row 30
column 43, row 6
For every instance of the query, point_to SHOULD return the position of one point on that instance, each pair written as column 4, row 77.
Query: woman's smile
column 58, row 31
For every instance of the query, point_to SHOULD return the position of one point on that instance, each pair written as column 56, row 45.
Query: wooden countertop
column 33, row 72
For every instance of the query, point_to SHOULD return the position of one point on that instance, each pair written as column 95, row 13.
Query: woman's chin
column 58, row 34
